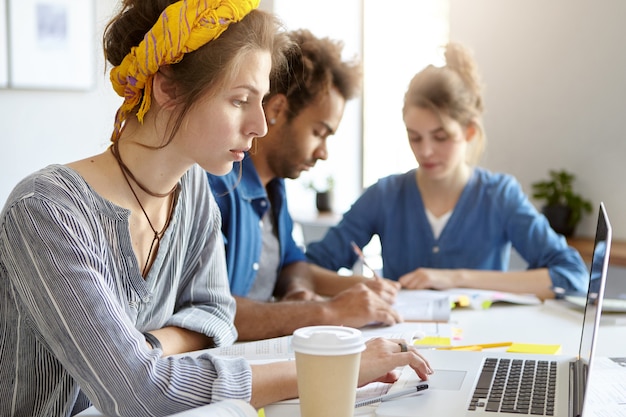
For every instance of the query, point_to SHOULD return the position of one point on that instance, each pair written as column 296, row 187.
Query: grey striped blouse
column 73, row 303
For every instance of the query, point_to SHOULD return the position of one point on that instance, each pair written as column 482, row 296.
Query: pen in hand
column 359, row 253
column 387, row 397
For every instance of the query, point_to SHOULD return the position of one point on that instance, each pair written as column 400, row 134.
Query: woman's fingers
column 383, row 356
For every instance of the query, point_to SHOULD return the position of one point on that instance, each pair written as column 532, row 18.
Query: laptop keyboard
column 515, row 386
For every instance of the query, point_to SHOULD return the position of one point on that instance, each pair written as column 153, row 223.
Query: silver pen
column 361, row 256
column 387, row 397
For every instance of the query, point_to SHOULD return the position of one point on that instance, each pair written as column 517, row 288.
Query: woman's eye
column 239, row 102
column 441, row 138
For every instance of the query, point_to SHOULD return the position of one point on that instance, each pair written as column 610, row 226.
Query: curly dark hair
column 314, row 66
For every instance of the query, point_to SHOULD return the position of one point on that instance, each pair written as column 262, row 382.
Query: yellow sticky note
column 262, row 412
column 474, row 348
column 534, row 348
column 463, row 300
column 432, row 341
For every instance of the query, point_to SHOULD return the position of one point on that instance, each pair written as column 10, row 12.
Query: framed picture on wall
column 51, row 44
column 4, row 53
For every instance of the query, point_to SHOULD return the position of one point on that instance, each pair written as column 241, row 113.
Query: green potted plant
column 323, row 193
column 561, row 205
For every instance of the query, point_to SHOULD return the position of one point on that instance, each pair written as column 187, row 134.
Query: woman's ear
column 164, row 89
column 470, row 131
column 275, row 107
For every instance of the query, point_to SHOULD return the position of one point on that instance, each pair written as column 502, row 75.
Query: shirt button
column 263, row 203
column 261, row 224
column 255, row 266
column 435, row 249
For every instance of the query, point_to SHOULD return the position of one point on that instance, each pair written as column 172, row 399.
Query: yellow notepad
column 432, row 341
column 534, row 348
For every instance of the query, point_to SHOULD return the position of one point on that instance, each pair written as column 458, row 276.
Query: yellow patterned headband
column 183, row 27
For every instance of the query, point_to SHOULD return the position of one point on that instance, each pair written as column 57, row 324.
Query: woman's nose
column 258, row 124
column 425, row 148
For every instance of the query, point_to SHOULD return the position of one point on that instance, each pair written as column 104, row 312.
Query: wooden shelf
column 584, row 245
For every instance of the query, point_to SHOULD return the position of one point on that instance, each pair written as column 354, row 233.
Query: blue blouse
column 492, row 214
column 243, row 202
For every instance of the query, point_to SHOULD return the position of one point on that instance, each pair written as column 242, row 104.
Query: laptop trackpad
column 444, row 379
column 444, row 397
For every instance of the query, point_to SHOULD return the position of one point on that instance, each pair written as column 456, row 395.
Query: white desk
column 550, row 323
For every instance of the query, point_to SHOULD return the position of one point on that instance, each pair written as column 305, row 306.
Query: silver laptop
column 614, row 292
column 482, row 383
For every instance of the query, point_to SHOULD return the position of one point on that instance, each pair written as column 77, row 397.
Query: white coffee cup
column 327, row 362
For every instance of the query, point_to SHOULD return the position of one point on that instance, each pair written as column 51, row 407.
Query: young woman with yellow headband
column 111, row 264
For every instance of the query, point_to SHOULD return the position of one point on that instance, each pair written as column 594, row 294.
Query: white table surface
column 553, row 322
column 550, row 323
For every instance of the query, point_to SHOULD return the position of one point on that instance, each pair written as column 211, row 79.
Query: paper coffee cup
column 327, row 363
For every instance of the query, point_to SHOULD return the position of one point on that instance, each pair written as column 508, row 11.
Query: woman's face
column 440, row 152
column 220, row 128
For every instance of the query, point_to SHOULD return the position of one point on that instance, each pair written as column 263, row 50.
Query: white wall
column 38, row 128
column 555, row 99
column 344, row 147
column 42, row 127
column 555, row 75
column 422, row 28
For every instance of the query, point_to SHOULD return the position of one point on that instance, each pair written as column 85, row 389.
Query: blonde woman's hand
column 429, row 278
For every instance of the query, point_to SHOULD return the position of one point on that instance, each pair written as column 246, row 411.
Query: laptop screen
column 593, row 306
column 597, row 281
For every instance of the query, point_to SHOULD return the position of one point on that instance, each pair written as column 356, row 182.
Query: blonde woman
column 450, row 223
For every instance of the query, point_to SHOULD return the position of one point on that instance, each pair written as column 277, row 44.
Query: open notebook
column 481, row 383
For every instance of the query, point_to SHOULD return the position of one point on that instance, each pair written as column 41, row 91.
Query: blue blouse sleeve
column 358, row 225
column 539, row 245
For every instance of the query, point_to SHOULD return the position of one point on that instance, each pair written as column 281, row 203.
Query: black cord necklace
column 157, row 234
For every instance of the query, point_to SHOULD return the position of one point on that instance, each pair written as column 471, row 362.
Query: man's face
column 299, row 143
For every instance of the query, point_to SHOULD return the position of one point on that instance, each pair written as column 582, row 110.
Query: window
column 396, row 45
column 393, row 41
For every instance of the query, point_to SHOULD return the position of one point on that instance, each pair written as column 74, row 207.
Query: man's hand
column 384, row 288
column 359, row 306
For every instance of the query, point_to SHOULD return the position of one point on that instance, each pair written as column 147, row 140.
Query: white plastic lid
column 327, row 340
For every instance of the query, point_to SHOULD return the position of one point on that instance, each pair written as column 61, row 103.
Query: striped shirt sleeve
column 73, row 306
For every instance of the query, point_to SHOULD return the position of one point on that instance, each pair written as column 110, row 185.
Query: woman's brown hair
column 209, row 67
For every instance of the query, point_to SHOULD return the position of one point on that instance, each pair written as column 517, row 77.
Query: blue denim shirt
column 492, row 214
column 243, row 204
